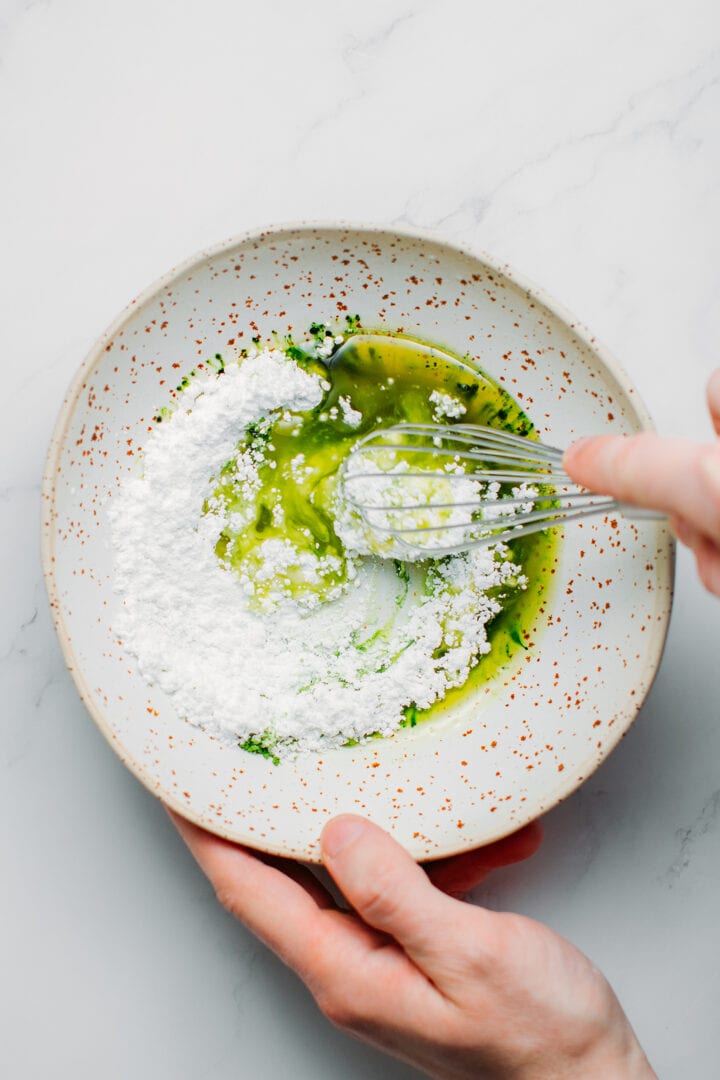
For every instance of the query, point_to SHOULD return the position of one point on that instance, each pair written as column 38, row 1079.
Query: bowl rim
column 574, row 778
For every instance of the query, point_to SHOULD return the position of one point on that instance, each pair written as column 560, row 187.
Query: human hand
column 453, row 989
column 677, row 476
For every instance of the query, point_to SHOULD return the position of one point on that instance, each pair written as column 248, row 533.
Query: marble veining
column 705, row 822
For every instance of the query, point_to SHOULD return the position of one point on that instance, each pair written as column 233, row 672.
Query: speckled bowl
column 536, row 731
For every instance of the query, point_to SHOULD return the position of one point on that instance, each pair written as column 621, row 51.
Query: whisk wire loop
column 508, row 486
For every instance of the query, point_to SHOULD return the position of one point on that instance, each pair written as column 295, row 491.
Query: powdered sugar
column 291, row 675
column 446, row 406
column 399, row 499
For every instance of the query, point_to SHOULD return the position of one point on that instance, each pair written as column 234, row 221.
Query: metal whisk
column 426, row 490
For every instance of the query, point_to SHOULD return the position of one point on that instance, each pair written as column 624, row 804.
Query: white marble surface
column 580, row 142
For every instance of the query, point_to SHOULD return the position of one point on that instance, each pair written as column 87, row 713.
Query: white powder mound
column 400, row 499
column 446, row 406
column 351, row 416
column 303, row 679
column 395, row 508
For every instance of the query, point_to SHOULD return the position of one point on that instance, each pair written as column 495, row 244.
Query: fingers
column 359, row 978
column 389, row 890
column 707, row 553
column 282, row 910
column 204, row 846
column 707, row 556
column 713, row 399
column 677, row 476
column 461, row 873
column 684, row 532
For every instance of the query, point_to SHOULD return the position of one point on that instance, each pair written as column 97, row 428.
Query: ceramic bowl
column 537, row 730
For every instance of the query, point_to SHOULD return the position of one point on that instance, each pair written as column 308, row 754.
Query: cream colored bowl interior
column 538, row 729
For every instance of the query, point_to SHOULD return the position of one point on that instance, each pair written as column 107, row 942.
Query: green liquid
column 388, row 380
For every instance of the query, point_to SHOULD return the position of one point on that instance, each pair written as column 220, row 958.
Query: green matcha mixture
column 292, row 461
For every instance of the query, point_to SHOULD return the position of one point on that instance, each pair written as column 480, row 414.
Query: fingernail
column 339, row 834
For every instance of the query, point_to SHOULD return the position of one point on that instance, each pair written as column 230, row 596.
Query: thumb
column 677, row 476
column 389, row 891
